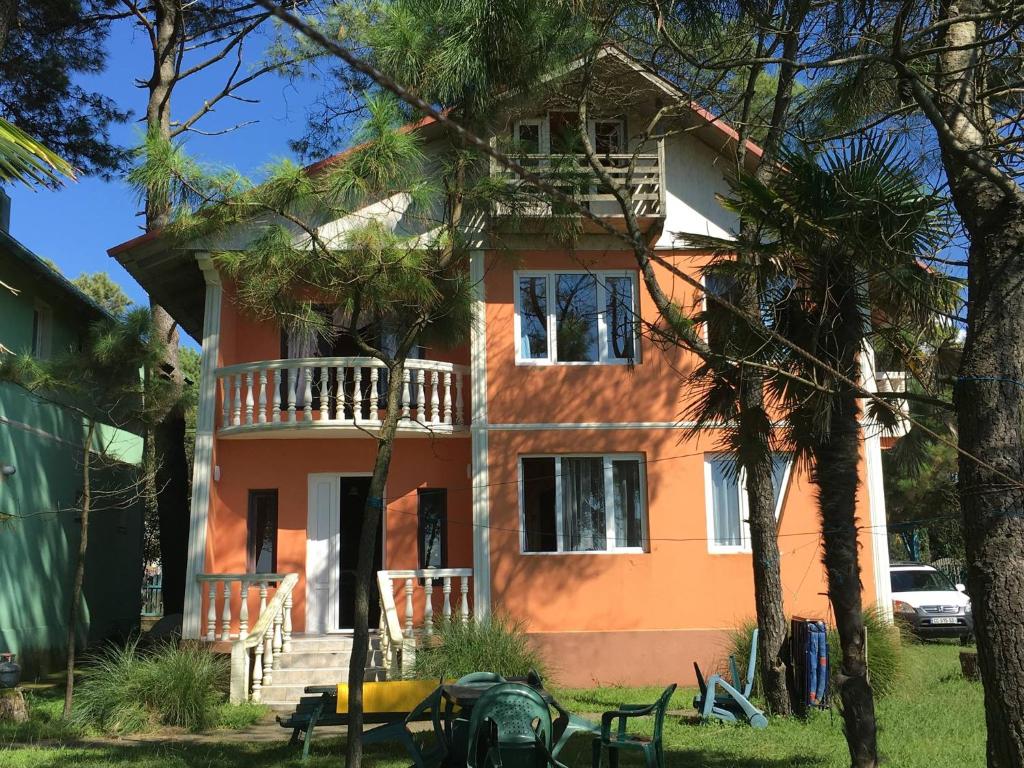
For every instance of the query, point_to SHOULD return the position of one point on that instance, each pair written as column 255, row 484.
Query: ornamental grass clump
column 496, row 644
column 126, row 690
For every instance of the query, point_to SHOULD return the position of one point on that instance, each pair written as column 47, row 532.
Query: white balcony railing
column 572, row 174
column 339, row 393
column 436, row 592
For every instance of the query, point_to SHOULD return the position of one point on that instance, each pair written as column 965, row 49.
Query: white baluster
column 458, row 399
column 278, row 642
column 405, row 393
column 446, row 393
column 249, row 400
column 211, row 613
column 357, row 394
column 225, row 614
column 428, row 605
column 243, row 611
column 286, row 639
column 374, row 396
column 339, row 393
column 262, row 417
column 421, row 400
column 307, row 393
column 435, row 405
column 225, row 391
column 408, row 606
column 275, row 377
column 268, row 656
column 236, row 413
column 257, row 674
column 263, row 599
column 446, row 593
column 325, row 391
column 464, row 605
column 291, row 394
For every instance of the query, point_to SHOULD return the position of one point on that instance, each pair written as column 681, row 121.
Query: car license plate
column 944, row 620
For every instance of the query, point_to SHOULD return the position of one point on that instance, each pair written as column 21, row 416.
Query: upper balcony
column 641, row 176
column 338, row 397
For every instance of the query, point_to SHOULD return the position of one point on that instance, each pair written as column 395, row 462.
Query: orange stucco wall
column 677, row 586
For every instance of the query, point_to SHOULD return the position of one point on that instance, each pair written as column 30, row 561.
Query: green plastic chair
column 399, row 732
column 480, row 677
column 652, row 748
column 734, row 701
column 510, row 727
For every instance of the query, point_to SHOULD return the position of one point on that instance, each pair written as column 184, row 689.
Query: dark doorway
column 353, row 501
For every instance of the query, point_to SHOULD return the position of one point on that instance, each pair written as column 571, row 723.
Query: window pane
column 618, row 296
column 533, row 318
column 720, row 323
column 263, row 531
column 583, row 514
column 539, row 505
column 608, row 137
column 780, row 461
column 576, row 318
column 725, row 500
column 432, row 524
column 528, row 138
column 626, row 482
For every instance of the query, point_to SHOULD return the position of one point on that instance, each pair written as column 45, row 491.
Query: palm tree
column 838, row 239
column 24, row 159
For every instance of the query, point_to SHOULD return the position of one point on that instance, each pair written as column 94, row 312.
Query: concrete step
column 314, row 675
column 325, row 659
column 284, row 696
column 327, row 643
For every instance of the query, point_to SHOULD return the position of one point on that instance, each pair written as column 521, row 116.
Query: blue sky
column 75, row 226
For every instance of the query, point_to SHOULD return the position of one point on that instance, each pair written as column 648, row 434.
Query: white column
column 875, row 484
column 435, row 403
column 291, row 393
column 479, row 440
column 405, row 392
column 446, row 392
column 374, row 396
column 357, row 394
column 250, row 402
column 243, row 612
column 262, row 418
column 307, row 392
column 275, row 382
column 202, row 465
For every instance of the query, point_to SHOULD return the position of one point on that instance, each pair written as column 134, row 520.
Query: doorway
column 334, row 526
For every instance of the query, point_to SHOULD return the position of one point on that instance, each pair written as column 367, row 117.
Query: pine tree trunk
column 79, row 577
column 373, row 511
column 168, row 474
column 990, row 414
column 989, row 393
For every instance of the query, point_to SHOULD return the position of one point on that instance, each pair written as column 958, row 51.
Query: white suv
column 928, row 603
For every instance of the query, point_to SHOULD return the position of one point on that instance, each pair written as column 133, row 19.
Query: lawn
column 934, row 718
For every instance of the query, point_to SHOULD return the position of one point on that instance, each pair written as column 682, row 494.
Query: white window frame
column 744, row 507
column 551, row 276
column 543, row 133
column 611, row 548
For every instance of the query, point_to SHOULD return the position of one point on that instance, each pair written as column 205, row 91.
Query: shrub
column 492, row 645
column 125, row 690
column 885, row 659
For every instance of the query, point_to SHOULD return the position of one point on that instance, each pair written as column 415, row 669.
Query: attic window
column 42, row 330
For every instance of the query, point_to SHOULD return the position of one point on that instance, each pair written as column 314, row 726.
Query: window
column 432, row 514
column 42, row 329
column 582, row 504
column 575, row 317
column 262, row 549
column 726, row 499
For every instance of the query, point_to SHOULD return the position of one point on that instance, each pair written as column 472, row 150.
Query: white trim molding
column 202, row 473
column 479, row 442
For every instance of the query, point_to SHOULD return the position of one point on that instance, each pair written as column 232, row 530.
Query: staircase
column 316, row 660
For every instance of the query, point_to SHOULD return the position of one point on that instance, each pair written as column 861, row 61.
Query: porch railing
column 644, row 181
column 255, row 649
column 340, row 392
column 895, row 382
column 425, row 594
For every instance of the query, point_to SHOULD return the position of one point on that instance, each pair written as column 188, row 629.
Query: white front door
column 323, row 542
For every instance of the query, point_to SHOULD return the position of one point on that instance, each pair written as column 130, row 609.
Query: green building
column 41, row 312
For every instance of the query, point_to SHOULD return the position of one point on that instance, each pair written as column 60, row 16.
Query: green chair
column 510, row 727
column 430, row 708
column 480, row 677
column 652, row 748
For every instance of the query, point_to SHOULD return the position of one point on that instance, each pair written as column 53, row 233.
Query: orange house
column 543, row 472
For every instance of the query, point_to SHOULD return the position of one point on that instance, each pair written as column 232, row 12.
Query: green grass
column 932, row 718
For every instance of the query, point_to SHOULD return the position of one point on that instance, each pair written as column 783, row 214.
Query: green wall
column 39, row 539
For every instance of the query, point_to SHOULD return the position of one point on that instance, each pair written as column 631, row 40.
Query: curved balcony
column 338, row 397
